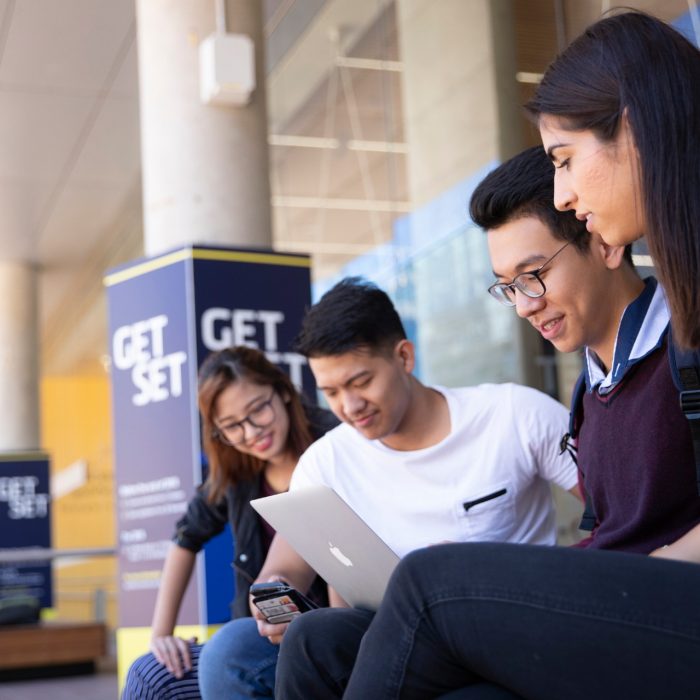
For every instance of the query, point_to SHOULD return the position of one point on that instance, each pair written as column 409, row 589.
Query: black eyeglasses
column 260, row 416
column 529, row 283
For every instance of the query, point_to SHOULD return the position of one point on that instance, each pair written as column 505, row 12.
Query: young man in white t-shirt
column 421, row 465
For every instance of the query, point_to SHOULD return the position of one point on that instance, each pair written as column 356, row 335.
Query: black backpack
column 685, row 370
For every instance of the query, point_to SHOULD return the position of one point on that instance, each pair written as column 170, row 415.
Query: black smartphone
column 279, row 602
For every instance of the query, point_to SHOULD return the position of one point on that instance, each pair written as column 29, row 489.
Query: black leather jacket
column 204, row 520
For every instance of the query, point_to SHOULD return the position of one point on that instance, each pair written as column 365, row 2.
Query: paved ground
column 99, row 686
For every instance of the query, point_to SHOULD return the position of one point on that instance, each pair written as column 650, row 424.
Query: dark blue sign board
column 166, row 314
column 25, row 521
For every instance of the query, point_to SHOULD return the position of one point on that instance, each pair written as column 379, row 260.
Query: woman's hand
column 173, row 653
column 687, row 548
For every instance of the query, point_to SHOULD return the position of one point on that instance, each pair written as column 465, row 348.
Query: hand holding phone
column 278, row 602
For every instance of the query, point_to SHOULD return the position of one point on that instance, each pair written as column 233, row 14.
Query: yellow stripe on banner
column 205, row 254
column 239, row 256
column 148, row 266
column 23, row 456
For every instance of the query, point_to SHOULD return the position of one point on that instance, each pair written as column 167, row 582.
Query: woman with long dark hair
column 255, row 426
column 619, row 113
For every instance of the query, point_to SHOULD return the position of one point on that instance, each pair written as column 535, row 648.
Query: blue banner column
column 166, row 314
column 25, row 521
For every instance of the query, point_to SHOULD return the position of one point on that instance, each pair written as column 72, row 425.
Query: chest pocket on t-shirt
column 489, row 513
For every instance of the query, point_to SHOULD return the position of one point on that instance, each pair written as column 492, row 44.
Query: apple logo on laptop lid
column 335, row 551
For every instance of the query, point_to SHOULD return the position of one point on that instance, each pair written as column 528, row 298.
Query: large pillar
column 459, row 88
column 19, row 358
column 204, row 168
column 461, row 115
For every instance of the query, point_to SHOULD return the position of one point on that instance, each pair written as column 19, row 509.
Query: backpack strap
column 685, row 370
column 568, row 444
column 576, row 408
column 588, row 519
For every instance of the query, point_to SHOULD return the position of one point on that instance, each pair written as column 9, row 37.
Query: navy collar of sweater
column 643, row 325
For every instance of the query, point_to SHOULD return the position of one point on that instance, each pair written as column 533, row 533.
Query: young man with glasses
column 457, row 615
column 587, row 295
column 419, row 464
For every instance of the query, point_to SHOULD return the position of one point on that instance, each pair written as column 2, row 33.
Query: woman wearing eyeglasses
column 255, row 426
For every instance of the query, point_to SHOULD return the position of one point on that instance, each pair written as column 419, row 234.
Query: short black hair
column 353, row 314
column 524, row 186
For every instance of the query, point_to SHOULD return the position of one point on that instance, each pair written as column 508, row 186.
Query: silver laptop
column 334, row 541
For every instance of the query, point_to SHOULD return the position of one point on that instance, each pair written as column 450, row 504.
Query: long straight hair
column 634, row 63
column 228, row 466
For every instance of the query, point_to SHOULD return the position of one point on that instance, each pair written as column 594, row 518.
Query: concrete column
column 459, row 89
column 461, row 113
column 19, row 358
column 204, row 168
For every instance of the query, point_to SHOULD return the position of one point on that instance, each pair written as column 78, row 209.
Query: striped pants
column 148, row 679
column 235, row 664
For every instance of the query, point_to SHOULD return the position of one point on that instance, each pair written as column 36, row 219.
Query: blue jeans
column 237, row 663
column 541, row 623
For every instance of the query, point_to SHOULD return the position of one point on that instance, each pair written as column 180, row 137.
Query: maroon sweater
column 636, row 458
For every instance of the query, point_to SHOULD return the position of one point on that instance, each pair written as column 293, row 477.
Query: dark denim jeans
column 318, row 653
column 495, row 621
column 544, row 623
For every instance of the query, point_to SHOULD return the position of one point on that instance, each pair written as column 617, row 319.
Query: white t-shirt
column 503, row 436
